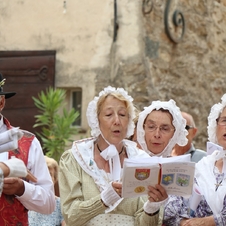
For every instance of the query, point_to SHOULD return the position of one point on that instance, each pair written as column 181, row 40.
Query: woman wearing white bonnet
column 210, row 178
column 91, row 170
column 161, row 126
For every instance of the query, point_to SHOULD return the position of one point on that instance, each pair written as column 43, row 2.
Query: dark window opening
column 77, row 105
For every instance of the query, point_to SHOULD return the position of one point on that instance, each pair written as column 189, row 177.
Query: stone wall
column 142, row 59
column 192, row 72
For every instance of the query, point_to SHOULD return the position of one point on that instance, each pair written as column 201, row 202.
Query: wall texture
column 192, row 72
column 143, row 59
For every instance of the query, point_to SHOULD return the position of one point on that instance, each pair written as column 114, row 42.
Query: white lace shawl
column 83, row 151
column 206, row 179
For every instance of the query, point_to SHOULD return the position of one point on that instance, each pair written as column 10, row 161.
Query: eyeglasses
column 187, row 127
column 163, row 128
column 221, row 121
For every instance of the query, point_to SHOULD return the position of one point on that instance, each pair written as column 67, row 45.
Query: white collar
column 207, row 181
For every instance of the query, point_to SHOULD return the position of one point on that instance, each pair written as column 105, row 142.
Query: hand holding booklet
column 175, row 174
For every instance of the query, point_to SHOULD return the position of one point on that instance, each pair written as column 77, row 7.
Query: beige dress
column 81, row 183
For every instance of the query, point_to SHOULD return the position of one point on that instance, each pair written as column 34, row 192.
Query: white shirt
column 38, row 196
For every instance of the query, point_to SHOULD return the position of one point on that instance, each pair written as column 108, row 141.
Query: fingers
column 154, row 194
column 118, row 190
column 117, row 187
column 153, row 198
column 31, row 177
column 13, row 186
column 197, row 221
column 157, row 193
column 162, row 191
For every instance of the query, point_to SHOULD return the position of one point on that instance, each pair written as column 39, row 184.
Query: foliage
column 55, row 121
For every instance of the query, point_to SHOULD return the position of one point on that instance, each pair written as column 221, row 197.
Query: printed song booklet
column 175, row 174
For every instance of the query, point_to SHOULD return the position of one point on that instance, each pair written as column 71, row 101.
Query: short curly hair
column 52, row 164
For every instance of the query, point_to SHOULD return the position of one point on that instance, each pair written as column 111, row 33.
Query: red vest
column 12, row 211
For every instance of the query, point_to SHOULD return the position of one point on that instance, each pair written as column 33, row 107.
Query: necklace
column 218, row 185
column 219, row 177
column 118, row 153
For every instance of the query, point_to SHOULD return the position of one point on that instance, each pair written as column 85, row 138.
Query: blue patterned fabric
column 54, row 219
column 177, row 208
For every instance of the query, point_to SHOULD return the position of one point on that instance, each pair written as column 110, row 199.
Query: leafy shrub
column 55, row 121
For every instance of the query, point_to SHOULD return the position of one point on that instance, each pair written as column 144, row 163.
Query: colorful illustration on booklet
column 139, row 189
column 167, row 179
column 142, row 174
column 183, row 180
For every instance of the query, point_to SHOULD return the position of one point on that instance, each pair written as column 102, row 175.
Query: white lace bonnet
column 92, row 116
column 215, row 112
column 179, row 123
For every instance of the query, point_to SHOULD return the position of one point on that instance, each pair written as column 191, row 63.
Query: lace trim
column 179, row 123
column 215, row 111
column 91, row 112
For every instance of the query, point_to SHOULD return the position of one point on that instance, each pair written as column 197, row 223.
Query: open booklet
column 175, row 174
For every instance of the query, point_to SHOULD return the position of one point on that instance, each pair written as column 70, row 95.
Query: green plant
column 55, row 121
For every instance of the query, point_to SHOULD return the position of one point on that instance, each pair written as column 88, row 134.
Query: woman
column 210, row 178
column 90, row 172
column 161, row 126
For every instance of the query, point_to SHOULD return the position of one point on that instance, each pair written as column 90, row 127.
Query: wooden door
column 27, row 73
